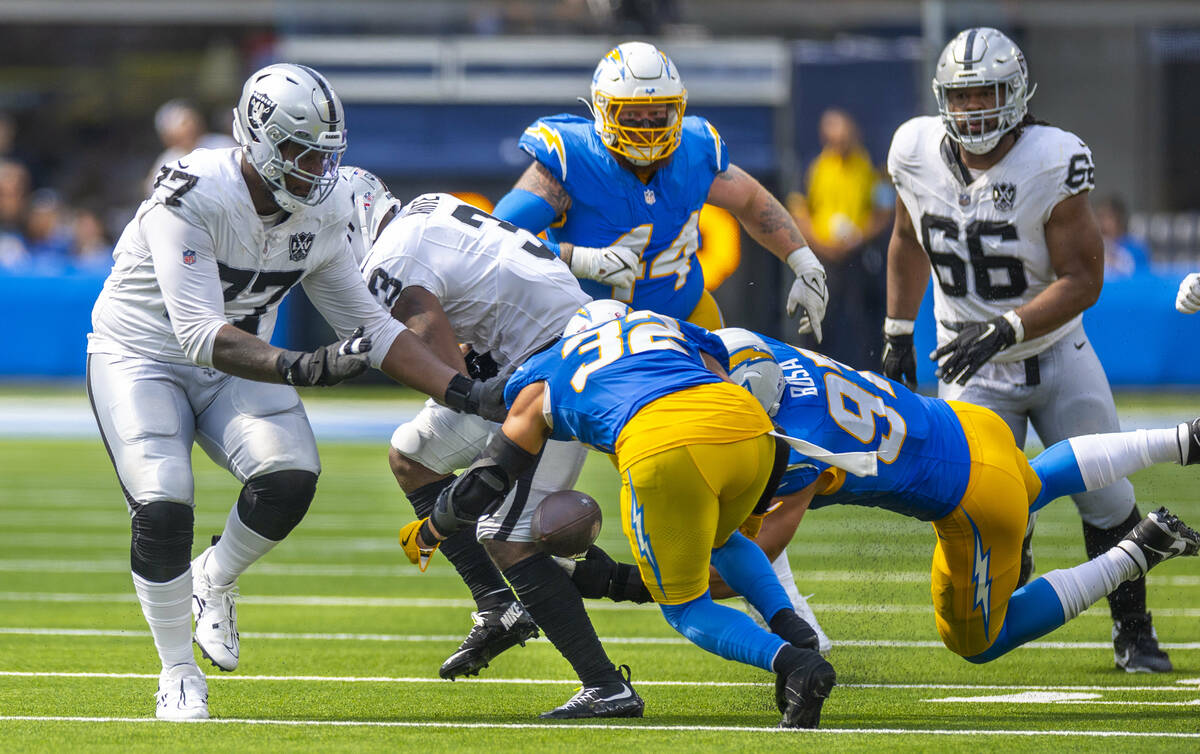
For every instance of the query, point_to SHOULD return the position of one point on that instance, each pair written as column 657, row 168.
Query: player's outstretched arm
column 534, row 200
column 422, row 313
column 770, row 225
column 244, row 355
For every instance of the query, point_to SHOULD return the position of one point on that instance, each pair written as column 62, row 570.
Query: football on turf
column 566, row 523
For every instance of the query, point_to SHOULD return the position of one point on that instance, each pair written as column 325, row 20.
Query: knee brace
column 160, row 547
column 272, row 504
column 482, row 486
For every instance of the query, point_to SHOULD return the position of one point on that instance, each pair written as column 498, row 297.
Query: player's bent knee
column 273, row 504
column 410, row 474
column 506, row 554
column 161, row 543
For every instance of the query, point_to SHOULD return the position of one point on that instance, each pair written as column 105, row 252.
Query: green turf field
column 341, row 639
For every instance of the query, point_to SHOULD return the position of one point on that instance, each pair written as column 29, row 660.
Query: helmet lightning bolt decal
column 982, row 580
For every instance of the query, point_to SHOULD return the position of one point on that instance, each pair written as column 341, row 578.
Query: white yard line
column 621, row 727
column 1185, row 685
column 651, row 640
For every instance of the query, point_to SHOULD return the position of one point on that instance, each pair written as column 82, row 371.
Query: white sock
column 238, row 547
column 783, row 571
column 168, row 610
column 1079, row 587
column 1103, row 459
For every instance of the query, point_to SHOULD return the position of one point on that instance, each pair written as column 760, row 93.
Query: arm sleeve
column 525, row 209
column 186, row 267
column 338, row 291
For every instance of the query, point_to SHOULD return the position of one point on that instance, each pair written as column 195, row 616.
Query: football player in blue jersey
column 619, row 195
column 696, row 457
column 956, row 465
column 859, row 438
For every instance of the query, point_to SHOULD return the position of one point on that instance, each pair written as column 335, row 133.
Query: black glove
column 597, row 576
column 481, row 366
column 975, row 344
column 479, row 397
column 899, row 362
column 328, row 365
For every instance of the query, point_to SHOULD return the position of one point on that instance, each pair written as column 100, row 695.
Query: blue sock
column 745, row 568
column 1059, row 472
column 1033, row 610
column 724, row 631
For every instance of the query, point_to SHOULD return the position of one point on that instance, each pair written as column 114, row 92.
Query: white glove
column 808, row 292
column 1188, row 300
column 613, row 265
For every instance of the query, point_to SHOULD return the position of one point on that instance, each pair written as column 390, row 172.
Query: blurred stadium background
column 438, row 92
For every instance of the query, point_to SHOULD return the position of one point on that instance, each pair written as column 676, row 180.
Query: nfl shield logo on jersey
column 189, row 257
column 300, row 245
column 1004, row 196
column 650, row 198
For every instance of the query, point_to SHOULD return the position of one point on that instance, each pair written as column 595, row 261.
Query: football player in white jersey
column 455, row 274
column 178, row 354
column 993, row 206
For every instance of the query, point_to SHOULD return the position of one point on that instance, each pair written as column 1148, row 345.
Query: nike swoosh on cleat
column 625, row 694
column 404, row 542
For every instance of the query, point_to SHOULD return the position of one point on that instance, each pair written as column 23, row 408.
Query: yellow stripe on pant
column 692, row 491
column 978, row 555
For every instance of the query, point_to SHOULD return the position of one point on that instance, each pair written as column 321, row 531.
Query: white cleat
column 216, row 617
column 182, row 694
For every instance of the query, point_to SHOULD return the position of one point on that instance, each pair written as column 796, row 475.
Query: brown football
column 566, row 523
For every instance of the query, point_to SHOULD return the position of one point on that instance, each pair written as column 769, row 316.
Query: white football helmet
column 982, row 57
column 637, row 74
column 373, row 203
column 753, row 366
column 291, row 103
column 595, row 313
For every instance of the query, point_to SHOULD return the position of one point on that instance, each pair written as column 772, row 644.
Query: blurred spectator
column 1124, row 255
column 47, row 237
column 181, row 127
column 91, row 249
column 845, row 207
column 14, row 207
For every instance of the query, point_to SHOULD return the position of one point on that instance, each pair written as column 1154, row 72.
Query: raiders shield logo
column 299, row 246
column 259, row 109
column 1004, row 196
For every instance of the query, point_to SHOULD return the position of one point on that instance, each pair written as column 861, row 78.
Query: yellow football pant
column 707, row 314
column 680, row 504
column 978, row 555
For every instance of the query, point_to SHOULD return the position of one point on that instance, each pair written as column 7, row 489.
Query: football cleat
column 802, row 692
column 494, row 631
column 182, row 694
column 1158, row 537
column 216, row 617
column 1135, row 646
column 1027, row 564
column 614, row 699
column 1188, row 435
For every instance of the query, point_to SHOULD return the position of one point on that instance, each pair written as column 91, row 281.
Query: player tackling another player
column 651, row 391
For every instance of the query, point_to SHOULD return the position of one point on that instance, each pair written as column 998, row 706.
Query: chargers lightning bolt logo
column 553, row 141
column 638, row 523
column 982, row 580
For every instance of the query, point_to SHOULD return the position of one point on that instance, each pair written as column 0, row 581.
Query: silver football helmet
column 595, row 313
column 753, row 366
column 286, row 104
column 373, row 203
column 982, row 57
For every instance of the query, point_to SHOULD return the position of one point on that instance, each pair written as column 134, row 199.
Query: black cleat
column 1188, row 435
column 1158, row 537
column 494, row 631
column 1135, row 646
column 1027, row 553
column 802, row 692
column 614, row 699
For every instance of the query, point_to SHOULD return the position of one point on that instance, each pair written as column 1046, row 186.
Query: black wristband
column 284, row 363
column 458, row 393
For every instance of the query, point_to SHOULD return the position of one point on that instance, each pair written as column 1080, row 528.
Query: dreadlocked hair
column 1028, row 120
